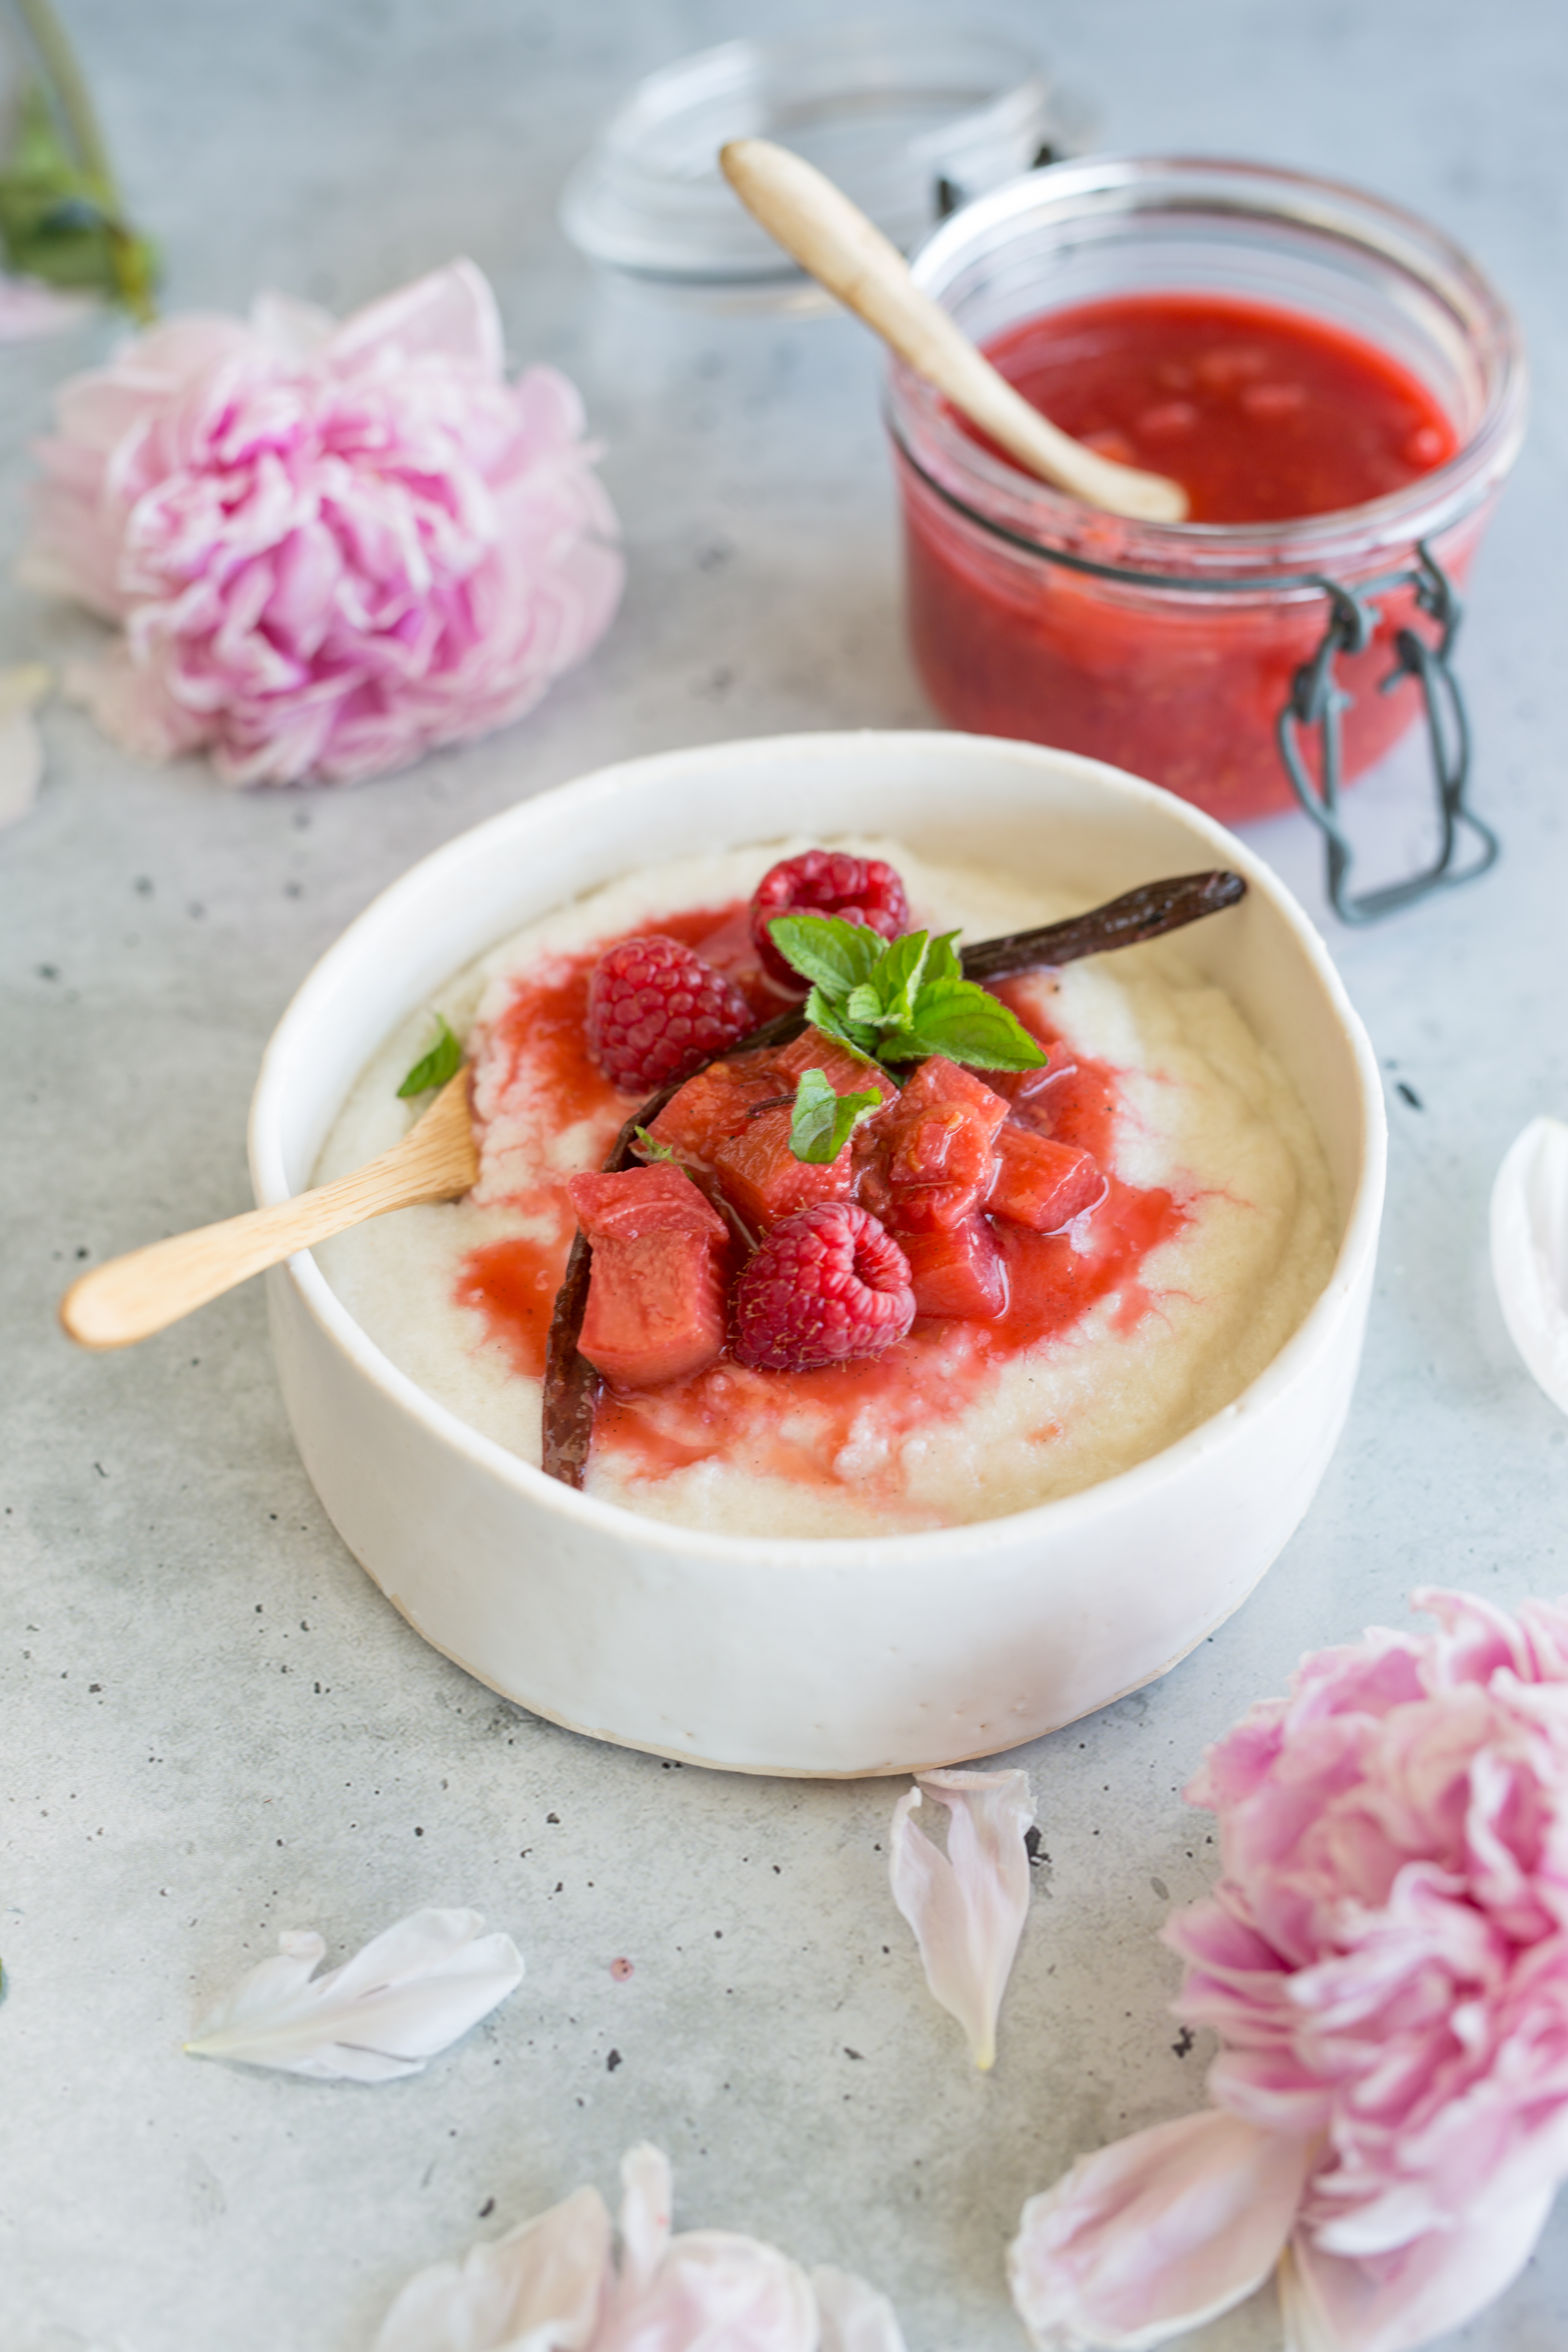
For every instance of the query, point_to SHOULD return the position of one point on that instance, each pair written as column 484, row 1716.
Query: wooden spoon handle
column 832, row 241
column 133, row 1297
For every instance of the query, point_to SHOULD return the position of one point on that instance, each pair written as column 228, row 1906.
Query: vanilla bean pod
column 570, row 1383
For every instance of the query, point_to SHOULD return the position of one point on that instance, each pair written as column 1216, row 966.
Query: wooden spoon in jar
column 133, row 1297
column 836, row 244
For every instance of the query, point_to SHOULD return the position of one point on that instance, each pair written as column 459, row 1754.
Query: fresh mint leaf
column 822, row 1014
column 652, row 1150
column 444, row 1060
column 863, row 1005
column 943, row 961
column 834, row 955
column 897, row 979
column 823, row 1121
column 961, row 1020
column 902, row 1001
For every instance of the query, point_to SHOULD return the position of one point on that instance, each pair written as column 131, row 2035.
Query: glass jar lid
column 911, row 120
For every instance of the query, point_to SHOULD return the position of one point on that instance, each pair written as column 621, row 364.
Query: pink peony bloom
column 330, row 547
column 1386, row 1962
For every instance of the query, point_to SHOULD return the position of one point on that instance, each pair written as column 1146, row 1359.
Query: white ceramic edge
column 271, row 1181
column 1317, row 1353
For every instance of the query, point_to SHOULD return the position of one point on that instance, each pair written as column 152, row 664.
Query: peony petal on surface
column 968, row 1906
column 29, row 309
column 22, row 688
column 1529, row 1251
column 1396, row 2301
column 409, row 1995
column 648, row 2198
column 1155, row 2234
column 705, row 2291
column 852, row 2315
column 538, row 2289
column 553, row 2284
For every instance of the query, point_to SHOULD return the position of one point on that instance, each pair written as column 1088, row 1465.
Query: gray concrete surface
column 211, row 1727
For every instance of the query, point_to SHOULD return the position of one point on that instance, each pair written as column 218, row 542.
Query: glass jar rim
column 1034, row 519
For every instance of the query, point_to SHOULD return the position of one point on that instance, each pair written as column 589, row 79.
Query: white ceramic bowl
column 852, row 1655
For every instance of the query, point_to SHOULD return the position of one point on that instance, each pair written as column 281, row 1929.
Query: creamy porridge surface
column 1202, row 1111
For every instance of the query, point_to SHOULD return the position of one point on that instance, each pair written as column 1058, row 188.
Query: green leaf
column 822, row 1014
column 902, row 1001
column 898, row 978
column 863, row 1005
column 444, row 1060
column 963, row 1021
column 825, row 1121
column 834, row 955
column 652, row 1150
column 943, row 961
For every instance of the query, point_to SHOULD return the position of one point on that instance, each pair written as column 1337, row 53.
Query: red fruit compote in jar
column 1102, row 1252
column 1334, row 386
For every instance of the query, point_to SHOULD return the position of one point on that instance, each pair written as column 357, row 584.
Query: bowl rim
column 289, row 1047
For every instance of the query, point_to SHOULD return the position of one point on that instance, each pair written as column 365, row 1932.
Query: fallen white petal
column 538, row 2289
column 1398, row 2301
column 1155, row 2234
column 1529, row 1251
column 967, row 1906
column 854, row 2317
column 22, row 688
column 407, row 1995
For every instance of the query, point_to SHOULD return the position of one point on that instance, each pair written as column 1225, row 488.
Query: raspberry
column 825, row 1286
column 825, row 882
column 656, row 1010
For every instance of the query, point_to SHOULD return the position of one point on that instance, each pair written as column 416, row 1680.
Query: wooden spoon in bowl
column 836, row 244
column 133, row 1297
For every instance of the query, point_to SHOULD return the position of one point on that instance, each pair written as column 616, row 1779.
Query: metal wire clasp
column 1317, row 701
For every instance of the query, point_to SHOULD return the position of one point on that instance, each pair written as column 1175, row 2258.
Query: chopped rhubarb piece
column 657, row 1277
column 637, row 1201
column 763, row 1179
column 1040, row 1183
column 927, row 1157
column 1022, row 1086
column 958, row 1270
column 712, row 1107
column 846, row 1073
column 717, row 1121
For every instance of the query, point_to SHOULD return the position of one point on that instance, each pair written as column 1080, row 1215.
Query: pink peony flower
column 332, row 547
column 1386, row 1962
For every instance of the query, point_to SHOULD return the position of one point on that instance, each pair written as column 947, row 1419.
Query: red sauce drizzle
column 513, row 1284
column 798, row 1426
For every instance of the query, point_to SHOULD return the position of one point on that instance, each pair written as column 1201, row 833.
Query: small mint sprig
column 902, row 1001
column 823, row 1122
column 444, row 1060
